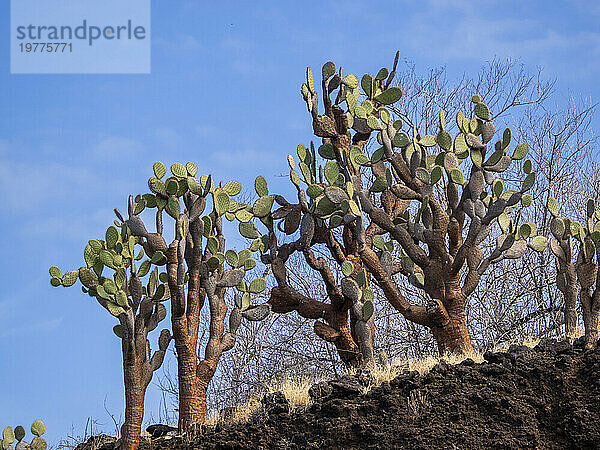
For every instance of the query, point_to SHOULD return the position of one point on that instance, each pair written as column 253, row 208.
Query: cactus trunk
column 569, row 292
column 451, row 334
column 454, row 336
column 591, row 313
column 190, row 408
column 134, row 399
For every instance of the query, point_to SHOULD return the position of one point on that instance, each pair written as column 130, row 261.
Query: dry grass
column 296, row 392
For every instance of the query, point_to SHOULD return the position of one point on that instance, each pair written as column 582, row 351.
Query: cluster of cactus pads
column 577, row 266
column 420, row 206
column 133, row 272
column 9, row 436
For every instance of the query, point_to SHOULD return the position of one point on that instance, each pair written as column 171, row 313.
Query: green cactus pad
column 54, row 272
column 38, row 428
column 70, row 278
column 232, row 258
column 314, row 190
column 262, row 206
column 538, row 243
column 257, row 286
column 379, row 185
column 590, row 207
column 157, row 186
column 526, row 200
column 121, row 299
column 368, row 309
column 245, row 300
column 179, row 170
column 118, row 330
column 506, row 137
column 482, row 111
column 221, row 202
column 328, row 70
column 109, row 286
column 8, row 436
column 553, row 206
column 436, row 174
column 159, row 295
column 194, row 186
column 159, row 258
column 173, row 207
column 260, row 185
column 106, row 258
column 347, row 268
column 112, row 237
column 232, row 187
column 144, row 268
column 528, row 182
column 351, row 81
column 191, row 169
column 159, row 169
column 389, row 96
column 55, row 281
column 331, row 172
column 114, row 309
column 171, row 186
column 213, row 245
column 19, row 433
column 521, row 151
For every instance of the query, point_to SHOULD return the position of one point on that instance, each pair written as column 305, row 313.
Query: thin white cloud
column 117, row 147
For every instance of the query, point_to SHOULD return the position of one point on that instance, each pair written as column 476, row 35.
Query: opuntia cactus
column 9, row 436
column 425, row 208
column 138, row 308
column 198, row 266
column 581, row 269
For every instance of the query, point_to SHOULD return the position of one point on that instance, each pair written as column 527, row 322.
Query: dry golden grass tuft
column 295, row 391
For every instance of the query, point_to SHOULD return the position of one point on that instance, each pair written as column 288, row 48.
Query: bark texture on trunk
column 135, row 390
column 569, row 291
column 453, row 337
column 591, row 315
column 190, row 405
column 450, row 329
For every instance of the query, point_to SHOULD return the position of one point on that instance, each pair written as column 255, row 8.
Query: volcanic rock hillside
column 547, row 397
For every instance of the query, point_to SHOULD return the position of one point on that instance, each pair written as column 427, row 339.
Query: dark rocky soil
column 542, row 398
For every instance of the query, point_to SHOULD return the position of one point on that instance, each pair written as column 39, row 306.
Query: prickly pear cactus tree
column 9, row 436
column 421, row 205
column 198, row 267
column 581, row 269
column 345, row 318
column 114, row 270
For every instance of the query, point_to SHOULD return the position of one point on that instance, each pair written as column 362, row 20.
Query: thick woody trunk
column 450, row 329
column 202, row 390
column 191, row 409
column 590, row 323
column 134, row 403
column 570, row 297
column 453, row 337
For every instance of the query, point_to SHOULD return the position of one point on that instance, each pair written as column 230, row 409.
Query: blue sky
column 224, row 93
